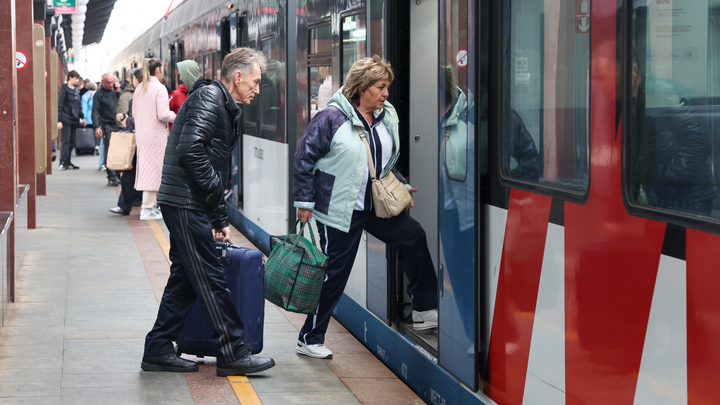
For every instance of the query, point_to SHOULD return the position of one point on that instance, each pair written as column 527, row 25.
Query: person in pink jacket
column 151, row 109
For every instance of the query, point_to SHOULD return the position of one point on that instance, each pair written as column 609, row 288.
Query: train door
column 443, row 83
column 458, row 218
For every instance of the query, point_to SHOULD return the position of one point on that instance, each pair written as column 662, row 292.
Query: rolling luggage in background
column 84, row 141
column 245, row 280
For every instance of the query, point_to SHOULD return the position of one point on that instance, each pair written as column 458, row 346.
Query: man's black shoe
column 244, row 365
column 72, row 166
column 113, row 183
column 168, row 362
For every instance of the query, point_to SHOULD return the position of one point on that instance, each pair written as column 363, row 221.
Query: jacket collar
column 343, row 104
column 230, row 104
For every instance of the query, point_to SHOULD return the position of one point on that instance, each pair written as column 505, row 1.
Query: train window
column 673, row 105
column 546, row 97
column 207, row 66
column 270, row 89
column 320, row 88
column 217, row 65
column 354, row 37
column 321, row 39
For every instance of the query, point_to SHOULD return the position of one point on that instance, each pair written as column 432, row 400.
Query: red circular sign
column 21, row 60
column 461, row 58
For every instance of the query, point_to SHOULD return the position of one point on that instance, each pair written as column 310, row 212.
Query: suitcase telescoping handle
column 223, row 250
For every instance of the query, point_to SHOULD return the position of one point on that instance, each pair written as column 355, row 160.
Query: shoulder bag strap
column 369, row 153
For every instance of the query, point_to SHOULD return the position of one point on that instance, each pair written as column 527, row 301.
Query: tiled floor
column 88, row 293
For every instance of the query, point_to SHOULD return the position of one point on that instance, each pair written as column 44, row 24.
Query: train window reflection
column 354, row 36
column 320, row 88
column 673, row 109
column 546, row 95
column 321, row 39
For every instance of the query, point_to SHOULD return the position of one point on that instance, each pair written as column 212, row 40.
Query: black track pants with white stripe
column 196, row 272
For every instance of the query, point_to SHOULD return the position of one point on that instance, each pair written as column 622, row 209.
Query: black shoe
column 168, row 362
column 244, row 365
column 113, row 183
column 72, row 166
column 54, row 156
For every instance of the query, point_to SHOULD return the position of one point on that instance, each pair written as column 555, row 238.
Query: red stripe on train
column 611, row 257
column 523, row 248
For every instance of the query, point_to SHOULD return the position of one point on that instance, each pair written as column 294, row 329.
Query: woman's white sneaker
column 317, row 351
column 425, row 319
column 150, row 213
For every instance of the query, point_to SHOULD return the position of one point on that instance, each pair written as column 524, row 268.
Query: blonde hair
column 242, row 59
column 363, row 74
column 148, row 69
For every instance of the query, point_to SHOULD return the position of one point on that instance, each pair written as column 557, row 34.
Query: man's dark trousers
column 67, row 142
column 127, row 187
column 401, row 231
column 196, row 272
column 108, row 129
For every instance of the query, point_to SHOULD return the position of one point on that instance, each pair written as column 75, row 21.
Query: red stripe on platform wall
column 611, row 257
column 703, row 317
column 522, row 257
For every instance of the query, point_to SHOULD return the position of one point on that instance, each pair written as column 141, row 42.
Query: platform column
column 8, row 124
column 26, row 104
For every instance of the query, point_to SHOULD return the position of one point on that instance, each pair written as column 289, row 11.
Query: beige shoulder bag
column 389, row 195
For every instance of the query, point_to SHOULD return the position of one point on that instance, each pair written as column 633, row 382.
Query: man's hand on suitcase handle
column 222, row 235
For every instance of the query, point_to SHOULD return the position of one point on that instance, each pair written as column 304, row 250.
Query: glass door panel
column 456, row 192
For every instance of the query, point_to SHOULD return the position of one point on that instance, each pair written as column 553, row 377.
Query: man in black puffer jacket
column 195, row 173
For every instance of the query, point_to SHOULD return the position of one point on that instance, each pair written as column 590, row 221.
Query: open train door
column 443, row 156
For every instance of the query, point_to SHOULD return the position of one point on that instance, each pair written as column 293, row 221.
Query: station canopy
column 96, row 19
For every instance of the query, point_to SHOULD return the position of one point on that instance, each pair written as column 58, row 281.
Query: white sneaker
column 116, row 210
column 425, row 319
column 150, row 213
column 318, row 351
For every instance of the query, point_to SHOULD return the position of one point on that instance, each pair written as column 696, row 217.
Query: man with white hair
column 195, row 172
column 104, row 110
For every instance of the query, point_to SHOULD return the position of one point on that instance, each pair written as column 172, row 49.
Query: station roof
column 96, row 19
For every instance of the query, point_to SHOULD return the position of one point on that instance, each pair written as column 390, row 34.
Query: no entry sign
column 20, row 60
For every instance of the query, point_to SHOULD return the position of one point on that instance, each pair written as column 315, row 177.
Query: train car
column 564, row 153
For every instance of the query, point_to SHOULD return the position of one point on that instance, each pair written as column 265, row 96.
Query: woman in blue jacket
column 331, row 183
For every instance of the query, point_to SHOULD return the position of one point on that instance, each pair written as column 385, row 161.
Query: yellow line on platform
column 244, row 391
column 160, row 236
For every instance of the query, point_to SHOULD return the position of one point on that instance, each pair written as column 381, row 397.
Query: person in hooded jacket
column 331, row 183
column 189, row 73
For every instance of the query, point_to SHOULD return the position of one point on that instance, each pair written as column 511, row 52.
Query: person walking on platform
column 152, row 114
column 70, row 117
column 194, row 175
column 104, row 117
column 127, row 121
column 332, row 183
column 87, row 102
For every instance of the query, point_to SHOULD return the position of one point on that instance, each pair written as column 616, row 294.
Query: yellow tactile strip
column 244, row 390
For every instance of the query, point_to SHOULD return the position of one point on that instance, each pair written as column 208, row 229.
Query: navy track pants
column 401, row 232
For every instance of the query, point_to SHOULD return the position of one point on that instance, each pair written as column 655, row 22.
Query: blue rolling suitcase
column 245, row 280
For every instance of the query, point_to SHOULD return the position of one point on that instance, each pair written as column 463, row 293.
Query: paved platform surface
column 88, row 292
